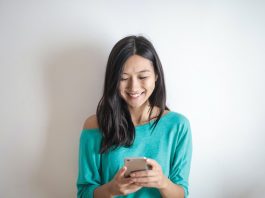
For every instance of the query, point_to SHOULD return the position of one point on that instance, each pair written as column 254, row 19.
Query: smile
column 135, row 95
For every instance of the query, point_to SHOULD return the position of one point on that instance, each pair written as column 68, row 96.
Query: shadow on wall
column 74, row 78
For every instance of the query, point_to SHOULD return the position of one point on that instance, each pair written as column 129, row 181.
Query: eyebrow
column 146, row 70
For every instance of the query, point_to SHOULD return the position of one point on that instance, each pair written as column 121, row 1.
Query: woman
column 132, row 120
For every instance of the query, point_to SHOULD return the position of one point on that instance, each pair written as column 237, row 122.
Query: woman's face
column 137, row 81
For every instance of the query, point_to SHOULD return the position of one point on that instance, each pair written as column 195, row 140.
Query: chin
column 137, row 105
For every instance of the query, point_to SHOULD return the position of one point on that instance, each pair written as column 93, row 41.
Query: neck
column 140, row 115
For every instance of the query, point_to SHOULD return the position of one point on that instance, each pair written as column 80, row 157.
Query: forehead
column 136, row 64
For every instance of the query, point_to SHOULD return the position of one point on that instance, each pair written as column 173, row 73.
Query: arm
column 103, row 191
column 177, row 183
column 171, row 190
column 155, row 178
column 119, row 185
column 89, row 162
column 180, row 167
column 89, row 177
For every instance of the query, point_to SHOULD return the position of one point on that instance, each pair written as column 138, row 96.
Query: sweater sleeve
column 89, row 163
column 180, row 167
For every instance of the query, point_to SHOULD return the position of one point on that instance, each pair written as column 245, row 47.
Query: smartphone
column 135, row 164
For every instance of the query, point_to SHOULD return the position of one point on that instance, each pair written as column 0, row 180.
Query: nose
column 133, row 84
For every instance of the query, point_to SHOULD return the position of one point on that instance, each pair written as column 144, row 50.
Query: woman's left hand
column 150, row 178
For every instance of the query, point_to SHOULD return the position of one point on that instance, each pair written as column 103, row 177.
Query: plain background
column 53, row 56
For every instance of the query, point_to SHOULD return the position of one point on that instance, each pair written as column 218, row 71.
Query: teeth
column 135, row 95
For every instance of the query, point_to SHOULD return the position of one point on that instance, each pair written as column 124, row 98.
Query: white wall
column 53, row 56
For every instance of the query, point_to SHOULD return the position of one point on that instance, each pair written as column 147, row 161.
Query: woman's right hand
column 120, row 185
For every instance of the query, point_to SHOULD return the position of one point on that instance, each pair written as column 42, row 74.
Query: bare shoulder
column 91, row 122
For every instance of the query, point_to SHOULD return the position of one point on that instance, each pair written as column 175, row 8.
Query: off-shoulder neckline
column 137, row 126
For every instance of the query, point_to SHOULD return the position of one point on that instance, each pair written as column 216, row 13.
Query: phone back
column 135, row 164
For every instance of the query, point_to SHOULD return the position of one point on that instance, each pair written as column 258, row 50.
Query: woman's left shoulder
column 177, row 117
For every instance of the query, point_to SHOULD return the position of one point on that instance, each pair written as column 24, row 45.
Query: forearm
column 171, row 190
column 103, row 191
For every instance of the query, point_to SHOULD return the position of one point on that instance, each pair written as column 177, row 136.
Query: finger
column 123, row 180
column 121, row 172
column 133, row 188
column 147, row 173
column 126, row 181
column 152, row 163
column 147, row 184
column 145, row 179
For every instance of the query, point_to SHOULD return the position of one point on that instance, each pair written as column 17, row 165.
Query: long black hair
column 114, row 118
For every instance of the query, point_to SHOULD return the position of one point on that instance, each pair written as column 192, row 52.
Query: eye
column 122, row 79
column 143, row 77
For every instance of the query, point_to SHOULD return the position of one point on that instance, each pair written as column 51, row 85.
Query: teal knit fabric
column 170, row 144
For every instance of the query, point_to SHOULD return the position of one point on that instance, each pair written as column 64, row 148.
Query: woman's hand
column 120, row 185
column 150, row 178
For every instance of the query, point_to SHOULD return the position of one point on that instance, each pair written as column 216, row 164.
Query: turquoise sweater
column 169, row 144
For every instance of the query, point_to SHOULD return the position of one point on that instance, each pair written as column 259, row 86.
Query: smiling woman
column 137, row 82
column 131, row 113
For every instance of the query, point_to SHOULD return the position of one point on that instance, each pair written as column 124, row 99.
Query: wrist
column 109, row 189
column 103, row 191
column 165, row 183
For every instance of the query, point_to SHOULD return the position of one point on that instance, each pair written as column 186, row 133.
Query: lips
column 135, row 95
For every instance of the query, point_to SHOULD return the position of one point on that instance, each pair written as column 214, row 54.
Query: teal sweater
column 169, row 144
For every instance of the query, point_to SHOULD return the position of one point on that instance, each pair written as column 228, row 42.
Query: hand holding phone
column 134, row 164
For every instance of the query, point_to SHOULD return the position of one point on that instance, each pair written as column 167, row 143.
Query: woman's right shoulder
column 90, row 131
column 91, row 122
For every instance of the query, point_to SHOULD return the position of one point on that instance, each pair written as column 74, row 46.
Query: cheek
column 122, row 90
column 150, row 85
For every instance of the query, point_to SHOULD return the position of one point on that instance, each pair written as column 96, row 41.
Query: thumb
column 122, row 171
